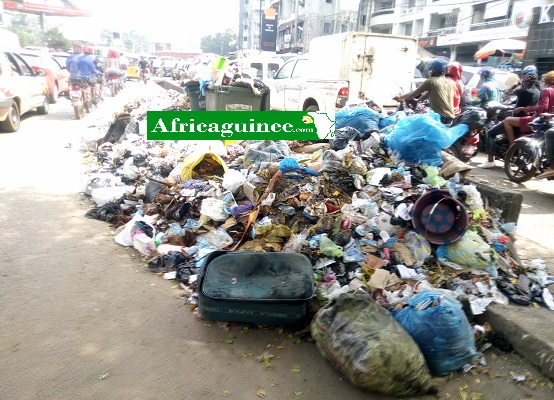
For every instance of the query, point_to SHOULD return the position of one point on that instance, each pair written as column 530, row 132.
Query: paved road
column 83, row 318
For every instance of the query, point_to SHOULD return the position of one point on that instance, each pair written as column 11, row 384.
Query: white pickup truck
column 343, row 68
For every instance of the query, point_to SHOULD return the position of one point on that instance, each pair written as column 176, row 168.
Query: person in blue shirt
column 489, row 89
column 77, row 51
column 87, row 66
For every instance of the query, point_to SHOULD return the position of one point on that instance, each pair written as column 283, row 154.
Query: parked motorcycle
column 145, row 75
column 527, row 156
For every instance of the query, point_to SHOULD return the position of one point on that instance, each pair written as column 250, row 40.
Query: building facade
column 453, row 29
column 540, row 41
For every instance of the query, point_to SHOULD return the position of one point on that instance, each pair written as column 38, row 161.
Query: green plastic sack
column 329, row 248
column 363, row 341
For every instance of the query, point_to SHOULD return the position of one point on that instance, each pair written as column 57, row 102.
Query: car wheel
column 312, row 108
column 53, row 97
column 11, row 124
column 43, row 110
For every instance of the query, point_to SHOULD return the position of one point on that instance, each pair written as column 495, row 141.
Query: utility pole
column 295, row 26
column 261, row 25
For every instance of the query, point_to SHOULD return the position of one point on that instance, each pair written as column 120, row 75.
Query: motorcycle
column 467, row 146
column 145, row 75
column 527, row 156
column 80, row 95
column 114, row 82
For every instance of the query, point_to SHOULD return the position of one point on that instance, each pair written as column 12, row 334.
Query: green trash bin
column 197, row 101
column 235, row 98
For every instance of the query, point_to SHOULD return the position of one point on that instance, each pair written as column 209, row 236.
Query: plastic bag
column 329, row 248
column 420, row 138
column 471, row 251
column 290, row 169
column 365, row 343
column 218, row 238
column 418, row 246
column 295, row 242
column 110, row 194
column 441, row 329
column 391, row 119
column 233, row 180
column 214, row 209
column 193, row 160
column 343, row 136
column 363, row 119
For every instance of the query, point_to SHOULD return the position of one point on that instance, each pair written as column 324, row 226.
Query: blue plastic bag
column 420, row 138
column 391, row 119
column 361, row 118
column 441, row 329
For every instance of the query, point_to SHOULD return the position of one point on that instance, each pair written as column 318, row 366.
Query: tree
column 220, row 43
column 56, row 40
column 27, row 29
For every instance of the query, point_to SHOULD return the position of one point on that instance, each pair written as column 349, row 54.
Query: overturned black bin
column 259, row 288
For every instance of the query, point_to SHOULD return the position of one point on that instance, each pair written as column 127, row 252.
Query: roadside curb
column 528, row 331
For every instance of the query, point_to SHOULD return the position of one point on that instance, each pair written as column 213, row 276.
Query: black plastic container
column 260, row 288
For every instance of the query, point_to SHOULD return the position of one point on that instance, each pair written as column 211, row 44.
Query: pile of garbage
column 415, row 237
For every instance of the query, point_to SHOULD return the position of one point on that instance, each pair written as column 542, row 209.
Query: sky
column 175, row 21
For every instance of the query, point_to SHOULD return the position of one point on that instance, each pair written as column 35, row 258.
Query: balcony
column 382, row 11
column 382, row 19
column 273, row 2
column 489, row 25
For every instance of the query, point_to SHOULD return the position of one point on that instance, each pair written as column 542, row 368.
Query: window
column 286, row 71
column 245, row 39
column 329, row 1
column 408, row 29
column 343, row 28
column 245, row 26
column 299, row 68
column 326, row 28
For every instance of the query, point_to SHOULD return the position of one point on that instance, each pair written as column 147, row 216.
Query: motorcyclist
column 530, row 69
column 123, row 64
column 77, row 51
column 489, row 88
column 143, row 63
column 86, row 64
column 440, row 91
column 527, row 95
column 453, row 72
column 545, row 105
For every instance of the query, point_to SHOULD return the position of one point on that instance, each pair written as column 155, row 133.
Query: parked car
column 21, row 90
column 57, row 76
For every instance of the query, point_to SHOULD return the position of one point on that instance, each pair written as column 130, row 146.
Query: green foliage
column 56, row 40
column 221, row 43
column 27, row 29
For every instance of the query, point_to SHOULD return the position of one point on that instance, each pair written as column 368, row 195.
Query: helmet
column 530, row 69
column 87, row 50
column 77, row 48
column 437, row 65
column 454, row 69
column 486, row 72
column 530, row 78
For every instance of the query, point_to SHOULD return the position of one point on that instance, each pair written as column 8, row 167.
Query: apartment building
column 452, row 28
column 455, row 29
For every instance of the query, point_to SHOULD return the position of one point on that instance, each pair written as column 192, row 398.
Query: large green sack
column 363, row 341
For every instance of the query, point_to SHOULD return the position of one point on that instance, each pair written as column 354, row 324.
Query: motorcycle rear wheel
column 518, row 163
column 79, row 114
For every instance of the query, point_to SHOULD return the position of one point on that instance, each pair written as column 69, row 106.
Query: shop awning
column 501, row 48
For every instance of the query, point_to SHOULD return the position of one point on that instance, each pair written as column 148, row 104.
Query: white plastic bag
column 103, row 195
column 233, row 180
column 214, row 209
